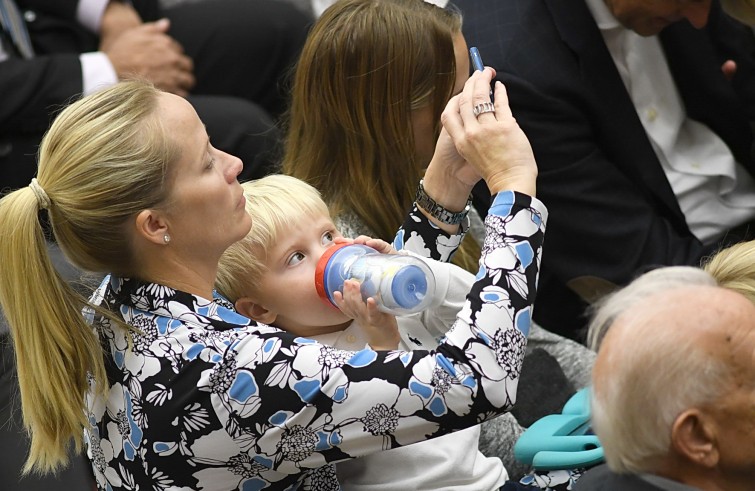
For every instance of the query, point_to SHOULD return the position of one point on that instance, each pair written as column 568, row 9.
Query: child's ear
column 246, row 306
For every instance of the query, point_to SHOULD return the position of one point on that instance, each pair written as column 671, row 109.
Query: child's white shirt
column 450, row 462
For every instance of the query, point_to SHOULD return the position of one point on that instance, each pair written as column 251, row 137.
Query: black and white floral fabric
column 202, row 398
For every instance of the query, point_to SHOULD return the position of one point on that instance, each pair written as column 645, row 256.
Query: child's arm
column 380, row 328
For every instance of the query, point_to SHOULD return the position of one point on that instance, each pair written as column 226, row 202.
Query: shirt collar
column 666, row 484
column 165, row 301
column 602, row 15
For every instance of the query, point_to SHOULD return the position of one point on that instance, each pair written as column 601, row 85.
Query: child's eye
column 211, row 163
column 295, row 258
column 327, row 238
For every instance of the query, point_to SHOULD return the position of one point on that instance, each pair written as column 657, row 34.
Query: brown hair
column 366, row 65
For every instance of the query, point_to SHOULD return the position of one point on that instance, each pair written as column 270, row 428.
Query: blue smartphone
column 474, row 53
column 477, row 64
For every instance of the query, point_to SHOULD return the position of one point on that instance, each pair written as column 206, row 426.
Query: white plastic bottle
column 401, row 285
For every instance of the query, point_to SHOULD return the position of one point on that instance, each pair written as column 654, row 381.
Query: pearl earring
column 166, row 238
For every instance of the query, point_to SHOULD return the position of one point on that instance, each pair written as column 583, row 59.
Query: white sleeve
column 96, row 72
column 452, row 284
column 89, row 14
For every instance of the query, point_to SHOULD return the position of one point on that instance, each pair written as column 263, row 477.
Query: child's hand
column 380, row 328
column 377, row 244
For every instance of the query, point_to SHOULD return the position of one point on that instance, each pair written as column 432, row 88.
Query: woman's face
column 205, row 204
column 423, row 121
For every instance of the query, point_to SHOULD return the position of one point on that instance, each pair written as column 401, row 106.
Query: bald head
column 714, row 320
column 688, row 347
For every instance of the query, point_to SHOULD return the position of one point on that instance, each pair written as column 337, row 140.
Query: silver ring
column 485, row 107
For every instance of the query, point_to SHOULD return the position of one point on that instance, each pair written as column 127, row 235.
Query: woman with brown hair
column 369, row 89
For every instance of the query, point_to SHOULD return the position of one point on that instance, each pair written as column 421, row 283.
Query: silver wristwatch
column 437, row 211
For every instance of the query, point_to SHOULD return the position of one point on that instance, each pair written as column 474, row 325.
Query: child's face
column 288, row 287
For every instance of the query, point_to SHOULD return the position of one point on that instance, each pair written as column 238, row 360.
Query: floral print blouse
column 201, row 397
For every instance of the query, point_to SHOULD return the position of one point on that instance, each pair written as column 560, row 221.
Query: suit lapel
column 708, row 97
column 616, row 118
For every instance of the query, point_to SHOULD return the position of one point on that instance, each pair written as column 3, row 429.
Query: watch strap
column 437, row 211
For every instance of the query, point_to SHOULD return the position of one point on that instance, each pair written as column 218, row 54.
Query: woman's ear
column 246, row 306
column 150, row 226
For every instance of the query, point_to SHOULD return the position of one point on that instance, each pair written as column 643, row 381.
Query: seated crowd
column 583, row 207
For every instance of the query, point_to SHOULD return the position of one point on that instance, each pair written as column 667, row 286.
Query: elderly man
column 640, row 114
column 674, row 388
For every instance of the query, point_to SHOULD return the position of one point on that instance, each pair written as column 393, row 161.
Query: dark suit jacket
column 31, row 91
column 238, row 65
column 612, row 210
column 602, row 479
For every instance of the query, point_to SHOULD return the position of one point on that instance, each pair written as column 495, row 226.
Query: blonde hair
column 734, row 268
column 366, row 65
column 276, row 204
column 103, row 160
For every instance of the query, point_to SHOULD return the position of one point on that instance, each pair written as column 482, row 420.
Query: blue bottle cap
column 409, row 286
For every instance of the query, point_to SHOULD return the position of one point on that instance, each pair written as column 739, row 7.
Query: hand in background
column 118, row 18
column 729, row 68
column 148, row 52
column 380, row 328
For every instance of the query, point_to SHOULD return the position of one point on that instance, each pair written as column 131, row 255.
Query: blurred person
column 641, row 117
column 379, row 144
column 734, row 268
column 228, row 57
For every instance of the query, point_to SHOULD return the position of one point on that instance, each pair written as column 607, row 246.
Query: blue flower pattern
column 202, row 398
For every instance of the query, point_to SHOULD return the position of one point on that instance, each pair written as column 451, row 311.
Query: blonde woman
column 168, row 386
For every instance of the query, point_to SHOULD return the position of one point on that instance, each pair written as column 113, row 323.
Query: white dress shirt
column 96, row 70
column 714, row 191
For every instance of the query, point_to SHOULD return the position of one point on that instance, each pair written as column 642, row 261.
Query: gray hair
column 654, row 369
column 607, row 309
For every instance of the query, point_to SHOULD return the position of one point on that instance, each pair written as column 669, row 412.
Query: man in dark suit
column 228, row 57
column 637, row 113
column 674, row 386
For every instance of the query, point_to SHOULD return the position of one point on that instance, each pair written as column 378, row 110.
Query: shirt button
column 350, row 338
column 5, row 148
column 30, row 16
column 651, row 114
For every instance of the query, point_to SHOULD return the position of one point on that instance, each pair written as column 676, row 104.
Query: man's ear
column 246, row 306
column 693, row 437
column 150, row 226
